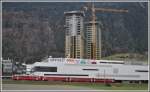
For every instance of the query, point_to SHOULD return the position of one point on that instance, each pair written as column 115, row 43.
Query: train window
column 90, row 69
column 113, row 62
column 45, row 69
column 141, row 70
column 93, row 62
column 102, row 62
column 67, row 74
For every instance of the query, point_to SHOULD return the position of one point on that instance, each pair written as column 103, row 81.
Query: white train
column 88, row 70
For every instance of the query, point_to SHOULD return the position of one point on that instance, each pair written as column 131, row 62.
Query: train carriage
column 85, row 70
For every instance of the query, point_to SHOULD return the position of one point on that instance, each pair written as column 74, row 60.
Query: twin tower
column 80, row 37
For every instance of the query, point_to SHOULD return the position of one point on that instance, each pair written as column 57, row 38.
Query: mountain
column 34, row 30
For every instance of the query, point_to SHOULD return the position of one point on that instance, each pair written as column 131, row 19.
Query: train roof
column 88, row 61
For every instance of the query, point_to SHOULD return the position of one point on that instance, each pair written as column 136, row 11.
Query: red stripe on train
column 65, row 79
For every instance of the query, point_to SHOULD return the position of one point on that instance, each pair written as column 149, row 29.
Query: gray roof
column 74, row 12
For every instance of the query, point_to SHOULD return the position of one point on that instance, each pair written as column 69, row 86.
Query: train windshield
column 44, row 69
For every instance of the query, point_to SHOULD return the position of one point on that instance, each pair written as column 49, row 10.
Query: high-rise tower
column 90, row 38
column 74, row 39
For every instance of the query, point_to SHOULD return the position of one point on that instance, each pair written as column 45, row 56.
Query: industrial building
column 74, row 39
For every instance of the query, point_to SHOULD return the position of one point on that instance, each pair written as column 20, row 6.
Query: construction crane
column 93, row 11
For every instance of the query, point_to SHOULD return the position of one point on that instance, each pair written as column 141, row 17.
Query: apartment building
column 74, row 39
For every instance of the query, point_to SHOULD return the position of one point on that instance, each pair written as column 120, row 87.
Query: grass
column 114, row 86
column 127, row 57
column 94, row 86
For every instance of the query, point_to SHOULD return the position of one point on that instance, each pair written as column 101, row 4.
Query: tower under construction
column 76, row 46
column 74, row 38
column 93, row 52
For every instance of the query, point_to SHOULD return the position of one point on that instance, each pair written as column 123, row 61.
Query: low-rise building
column 7, row 66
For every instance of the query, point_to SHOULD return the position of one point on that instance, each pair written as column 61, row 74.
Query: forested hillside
column 32, row 31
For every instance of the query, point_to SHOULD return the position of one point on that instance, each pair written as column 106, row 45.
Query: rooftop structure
column 70, row 13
